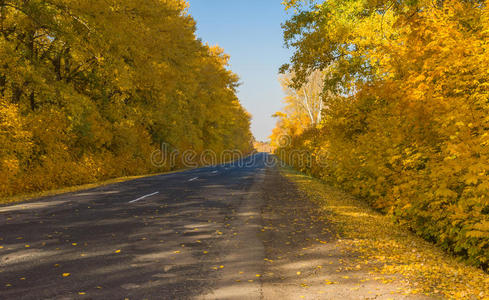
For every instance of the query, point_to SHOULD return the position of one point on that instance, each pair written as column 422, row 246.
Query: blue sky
column 250, row 32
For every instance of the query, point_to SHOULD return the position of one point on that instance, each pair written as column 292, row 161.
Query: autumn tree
column 406, row 128
column 90, row 89
column 306, row 99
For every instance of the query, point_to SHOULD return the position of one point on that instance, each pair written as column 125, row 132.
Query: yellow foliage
column 408, row 129
column 89, row 89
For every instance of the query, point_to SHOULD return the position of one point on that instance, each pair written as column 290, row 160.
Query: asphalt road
column 234, row 231
column 172, row 236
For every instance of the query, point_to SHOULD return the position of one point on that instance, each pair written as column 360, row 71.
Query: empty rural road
column 170, row 236
column 233, row 231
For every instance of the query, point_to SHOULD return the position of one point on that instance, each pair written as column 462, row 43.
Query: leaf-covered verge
column 386, row 247
column 90, row 89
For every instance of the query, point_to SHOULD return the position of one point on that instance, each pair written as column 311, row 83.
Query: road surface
column 233, row 231
column 170, row 236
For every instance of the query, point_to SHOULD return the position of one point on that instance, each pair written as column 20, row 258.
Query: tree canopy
column 405, row 121
column 88, row 89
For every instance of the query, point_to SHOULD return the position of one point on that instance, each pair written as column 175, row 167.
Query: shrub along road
column 232, row 231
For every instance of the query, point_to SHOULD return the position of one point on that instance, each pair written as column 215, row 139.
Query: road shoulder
column 305, row 259
column 362, row 255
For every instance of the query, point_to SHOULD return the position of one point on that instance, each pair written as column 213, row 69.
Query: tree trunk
column 57, row 67
column 17, row 93
column 3, row 83
column 2, row 15
column 32, row 101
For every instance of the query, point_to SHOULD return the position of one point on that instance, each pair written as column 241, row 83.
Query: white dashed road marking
column 144, row 197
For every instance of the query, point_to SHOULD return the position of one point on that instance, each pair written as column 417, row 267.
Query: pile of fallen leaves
column 386, row 248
